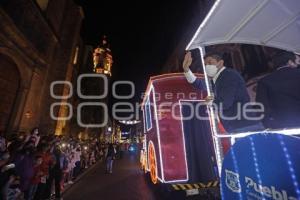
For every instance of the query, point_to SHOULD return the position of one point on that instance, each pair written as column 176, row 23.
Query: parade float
column 258, row 165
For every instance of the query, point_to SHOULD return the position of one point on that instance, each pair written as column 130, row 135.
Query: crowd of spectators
column 35, row 166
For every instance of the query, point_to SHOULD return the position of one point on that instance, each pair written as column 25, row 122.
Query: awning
column 273, row 23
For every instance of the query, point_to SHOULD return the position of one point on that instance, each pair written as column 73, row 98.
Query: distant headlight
column 131, row 148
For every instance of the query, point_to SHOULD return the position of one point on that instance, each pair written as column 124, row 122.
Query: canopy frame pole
column 213, row 118
column 209, row 14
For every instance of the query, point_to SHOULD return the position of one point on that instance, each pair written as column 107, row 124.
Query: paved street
column 126, row 182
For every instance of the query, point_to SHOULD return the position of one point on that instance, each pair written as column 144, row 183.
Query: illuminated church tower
column 102, row 58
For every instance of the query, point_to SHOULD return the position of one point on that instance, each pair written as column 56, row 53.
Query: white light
column 212, row 117
column 184, row 148
column 158, row 133
column 144, row 120
column 129, row 122
column 146, row 153
column 295, row 131
column 232, row 141
column 203, row 23
column 147, row 103
column 160, row 179
column 202, row 52
column 148, row 90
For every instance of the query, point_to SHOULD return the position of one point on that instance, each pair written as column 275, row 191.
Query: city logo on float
column 254, row 189
column 232, row 181
column 270, row 192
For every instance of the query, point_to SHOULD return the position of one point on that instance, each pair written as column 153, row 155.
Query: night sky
column 142, row 34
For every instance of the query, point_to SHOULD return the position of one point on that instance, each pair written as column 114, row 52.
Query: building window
column 43, row 4
column 148, row 115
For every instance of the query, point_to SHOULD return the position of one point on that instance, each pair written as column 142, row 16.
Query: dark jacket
column 230, row 93
column 279, row 92
column 111, row 151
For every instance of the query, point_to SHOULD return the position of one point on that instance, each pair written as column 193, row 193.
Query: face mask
column 211, row 70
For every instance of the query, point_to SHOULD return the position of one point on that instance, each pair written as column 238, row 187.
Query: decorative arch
column 19, row 68
column 21, row 63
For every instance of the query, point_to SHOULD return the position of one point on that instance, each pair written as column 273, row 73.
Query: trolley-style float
column 273, row 23
column 178, row 145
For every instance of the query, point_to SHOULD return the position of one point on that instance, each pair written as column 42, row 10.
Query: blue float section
column 262, row 166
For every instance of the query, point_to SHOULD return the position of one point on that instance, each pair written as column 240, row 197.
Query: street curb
column 80, row 177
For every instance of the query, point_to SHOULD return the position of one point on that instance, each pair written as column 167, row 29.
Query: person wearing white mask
column 230, row 93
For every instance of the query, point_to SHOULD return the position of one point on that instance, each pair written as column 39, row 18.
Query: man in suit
column 279, row 92
column 230, row 93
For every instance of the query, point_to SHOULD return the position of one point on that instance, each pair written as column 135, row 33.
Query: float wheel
column 152, row 163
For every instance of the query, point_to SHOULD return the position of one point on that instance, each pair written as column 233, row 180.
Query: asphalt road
column 127, row 182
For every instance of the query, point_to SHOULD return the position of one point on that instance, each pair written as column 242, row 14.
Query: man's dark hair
column 215, row 55
column 282, row 58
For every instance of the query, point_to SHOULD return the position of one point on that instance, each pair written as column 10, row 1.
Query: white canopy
column 273, row 23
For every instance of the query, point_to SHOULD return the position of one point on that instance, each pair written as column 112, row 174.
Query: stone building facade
column 39, row 43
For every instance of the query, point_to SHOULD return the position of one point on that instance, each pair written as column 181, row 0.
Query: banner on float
column 262, row 166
